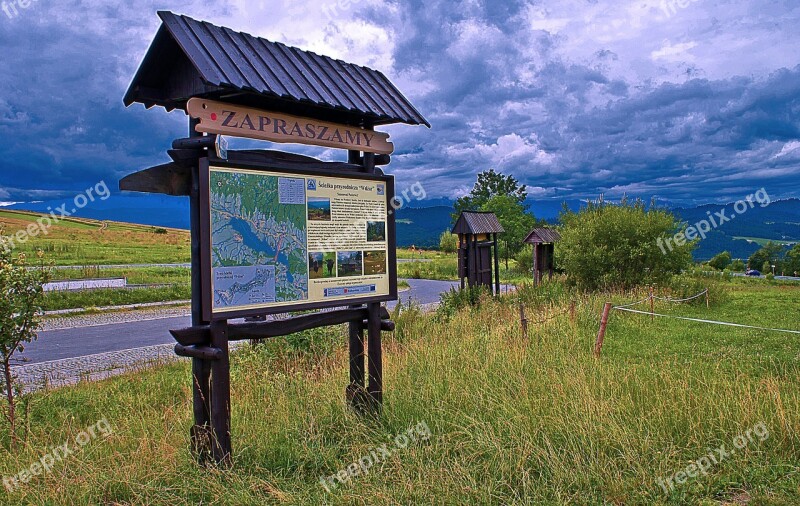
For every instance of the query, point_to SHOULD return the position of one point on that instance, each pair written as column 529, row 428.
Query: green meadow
column 512, row 420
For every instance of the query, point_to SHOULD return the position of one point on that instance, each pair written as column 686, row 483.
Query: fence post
column 708, row 306
column 652, row 305
column 523, row 321
column 598, row 345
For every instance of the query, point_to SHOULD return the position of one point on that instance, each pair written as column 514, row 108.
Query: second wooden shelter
column 477, row 236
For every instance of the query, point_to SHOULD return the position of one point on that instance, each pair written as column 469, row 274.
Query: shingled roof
column 473, row 222
column 190, row 58
column 542, row 236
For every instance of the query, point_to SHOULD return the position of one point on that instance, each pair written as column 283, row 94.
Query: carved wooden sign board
column 227, row 119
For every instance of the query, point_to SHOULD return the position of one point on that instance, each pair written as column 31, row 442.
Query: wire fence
column 628, row 308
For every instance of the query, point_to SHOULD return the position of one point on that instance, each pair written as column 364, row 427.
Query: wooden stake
column 221, row 396
column 598, row 345
column 652, row 305
column 375, row 357
column 523, row 321
column 708, row 305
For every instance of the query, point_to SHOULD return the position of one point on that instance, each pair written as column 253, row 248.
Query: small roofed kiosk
column 543, row 240
column 477, row 236
column 253, row 232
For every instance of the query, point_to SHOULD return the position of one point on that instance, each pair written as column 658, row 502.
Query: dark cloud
column 574, row 98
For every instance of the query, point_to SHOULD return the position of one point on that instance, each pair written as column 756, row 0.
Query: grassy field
column 77, row 241
column 512, row 421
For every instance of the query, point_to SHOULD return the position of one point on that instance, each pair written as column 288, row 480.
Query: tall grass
column 514, row 421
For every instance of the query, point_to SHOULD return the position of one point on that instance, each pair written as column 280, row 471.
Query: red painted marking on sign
column 213, row 116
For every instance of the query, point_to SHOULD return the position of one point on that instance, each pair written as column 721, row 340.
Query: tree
column 737, row 265
column 488, row 185
column 515, row 221
column 769, row 253
column 791, row 261
column 448, row 242
column 720, row 261
column 622, row 246
column 21, row 297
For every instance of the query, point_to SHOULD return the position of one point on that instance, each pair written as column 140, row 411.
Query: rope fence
column 651, row 298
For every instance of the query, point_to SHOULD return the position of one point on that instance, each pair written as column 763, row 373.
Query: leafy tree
column 617, row 246
column 488, row 185
column 720, row 261
column 516, row 223
column 769, row 253
column 448, row 242
column 21, row 296
column 737, row 265
column 791, row 261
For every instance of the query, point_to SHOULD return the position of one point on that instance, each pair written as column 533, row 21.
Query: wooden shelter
column 477, row 237
column 543, row 240
column 236, row 84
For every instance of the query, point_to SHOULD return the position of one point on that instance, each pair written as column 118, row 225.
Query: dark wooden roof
column 542, row 236
column 472, row 222
column 191, row 58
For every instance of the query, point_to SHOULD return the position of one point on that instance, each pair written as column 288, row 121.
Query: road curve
column 79, row 342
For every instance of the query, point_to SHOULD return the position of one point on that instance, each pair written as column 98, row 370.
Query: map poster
column 287, row 241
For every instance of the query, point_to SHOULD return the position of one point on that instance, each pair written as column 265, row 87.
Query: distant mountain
column 741, row 233
column 420, row 223
column 422, row 227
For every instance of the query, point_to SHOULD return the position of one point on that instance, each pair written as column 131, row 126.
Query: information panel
column 283, row 241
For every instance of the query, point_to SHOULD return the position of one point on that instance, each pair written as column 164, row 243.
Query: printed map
column 258, row 239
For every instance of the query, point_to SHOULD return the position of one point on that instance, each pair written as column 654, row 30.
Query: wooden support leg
column 375, row 387
column 221, row 396
column 356, row 392
column 201, row 431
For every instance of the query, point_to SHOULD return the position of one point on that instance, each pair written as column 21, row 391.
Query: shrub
column 455, row 300
column 448, row 243
column 607, row 246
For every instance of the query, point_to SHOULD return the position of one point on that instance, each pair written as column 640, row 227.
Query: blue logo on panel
column 312, row 185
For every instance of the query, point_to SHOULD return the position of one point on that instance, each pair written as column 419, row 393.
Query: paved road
column 71, row 343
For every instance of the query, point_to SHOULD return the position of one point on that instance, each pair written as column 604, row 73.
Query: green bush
column 448, row 243
column 524, row 261
column 605, row 246
column 455, row 300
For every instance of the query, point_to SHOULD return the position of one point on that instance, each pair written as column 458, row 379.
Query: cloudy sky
column 689, row 101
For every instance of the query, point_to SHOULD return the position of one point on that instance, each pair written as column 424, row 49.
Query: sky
column 686, row 101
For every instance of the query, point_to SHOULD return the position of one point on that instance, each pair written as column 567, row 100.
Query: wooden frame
column 205, row 237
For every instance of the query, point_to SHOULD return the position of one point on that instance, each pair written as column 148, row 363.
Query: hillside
column 81, row 241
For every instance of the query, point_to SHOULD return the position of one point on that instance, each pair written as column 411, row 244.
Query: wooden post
column 375, row 364
column 201, row 369
column 535, row 265
column 462, row 257
column 356, row 390
column 221, row 396
column 708, row 304
column 601, row 334
column 496, row 267
column 523, row 321
column 652, row 305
